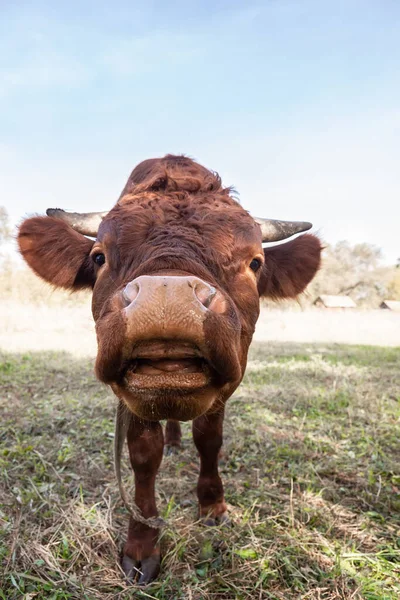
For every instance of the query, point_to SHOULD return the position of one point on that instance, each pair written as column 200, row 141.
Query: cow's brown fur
column 173, row 217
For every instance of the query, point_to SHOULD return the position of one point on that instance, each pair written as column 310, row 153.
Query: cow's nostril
column 205, row 294
column 130, row 292
column 210, row 298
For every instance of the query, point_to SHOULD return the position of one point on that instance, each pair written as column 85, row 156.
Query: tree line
column 356, row 271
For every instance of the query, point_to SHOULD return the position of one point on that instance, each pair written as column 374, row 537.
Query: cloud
column 36, row 56
column 293, row 107
column 154, row 52
column 342, row 175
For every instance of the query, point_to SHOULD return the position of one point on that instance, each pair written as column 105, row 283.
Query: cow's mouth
column 166, row 365
column 146, row 366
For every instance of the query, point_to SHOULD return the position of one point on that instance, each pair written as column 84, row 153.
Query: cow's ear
column 290, row 267
column 56, row 252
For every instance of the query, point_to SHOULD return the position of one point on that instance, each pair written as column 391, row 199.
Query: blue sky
column 295, row 102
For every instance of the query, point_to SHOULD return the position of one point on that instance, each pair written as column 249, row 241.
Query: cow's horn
column 274, row 231
column 88, row 224
column 85, row 223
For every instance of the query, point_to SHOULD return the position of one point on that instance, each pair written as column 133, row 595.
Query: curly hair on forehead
column 171, row 174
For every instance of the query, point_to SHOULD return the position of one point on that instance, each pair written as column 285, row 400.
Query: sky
column 296, row 103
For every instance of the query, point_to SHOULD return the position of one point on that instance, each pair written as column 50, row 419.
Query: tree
column 354, row 271
column 394, row 286
column 5, row 231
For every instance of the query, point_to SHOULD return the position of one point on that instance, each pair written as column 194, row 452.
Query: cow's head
column 177, row 271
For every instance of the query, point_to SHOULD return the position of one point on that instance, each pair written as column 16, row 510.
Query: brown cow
column 177, row 271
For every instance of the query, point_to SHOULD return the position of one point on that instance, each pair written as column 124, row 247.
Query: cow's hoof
column 141, row 572
column 171, row 450
column 210, row 521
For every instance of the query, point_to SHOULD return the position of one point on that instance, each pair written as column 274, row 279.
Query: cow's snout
column 175, row 294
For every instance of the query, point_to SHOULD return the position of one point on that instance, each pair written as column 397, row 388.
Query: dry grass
column 311, row 470
column 34, row 316
column 69, row 326
column 19, row 285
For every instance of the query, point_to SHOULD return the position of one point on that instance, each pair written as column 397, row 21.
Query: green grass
column 311, row 468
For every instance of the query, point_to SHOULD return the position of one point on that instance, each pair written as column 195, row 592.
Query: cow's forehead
column 209, row 215
column 175, row 194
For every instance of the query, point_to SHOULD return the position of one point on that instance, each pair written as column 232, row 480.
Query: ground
column 311, row 467
column 62, row 322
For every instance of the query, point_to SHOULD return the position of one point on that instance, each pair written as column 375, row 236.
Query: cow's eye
column 99, row 259
column 255, row 264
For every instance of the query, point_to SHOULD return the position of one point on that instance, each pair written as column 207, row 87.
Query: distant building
column 391, row 305
column 326, row 301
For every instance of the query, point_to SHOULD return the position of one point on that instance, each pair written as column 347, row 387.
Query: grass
column 311, row 468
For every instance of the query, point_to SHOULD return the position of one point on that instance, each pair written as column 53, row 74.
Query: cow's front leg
column 173, row 436
column 207, row 435
column 141, row 551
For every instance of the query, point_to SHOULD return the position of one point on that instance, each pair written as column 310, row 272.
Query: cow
column 177, row 269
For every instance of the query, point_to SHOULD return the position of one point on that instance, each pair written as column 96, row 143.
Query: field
column 311, row 467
